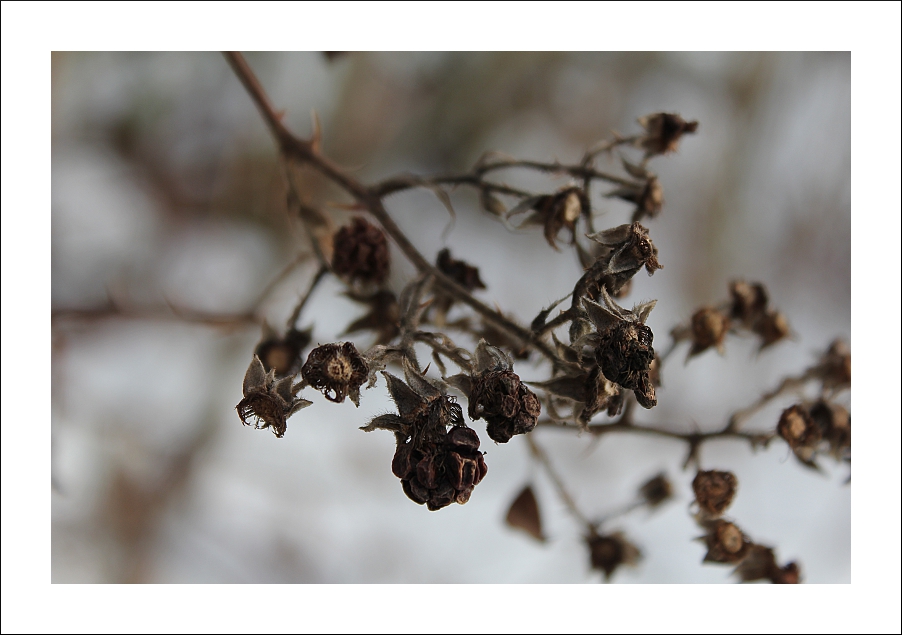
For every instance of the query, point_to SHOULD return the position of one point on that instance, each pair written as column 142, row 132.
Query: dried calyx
column 267, row 403
column 714, row 491
column 437, row 456
column 337, row 370
column 623, row 345
column 629, row 248
column 663, row 131
column 555, row 212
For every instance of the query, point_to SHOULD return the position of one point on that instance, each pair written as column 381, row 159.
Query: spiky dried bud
column 624, row 349
column 772, row 327
column 761, row 564
column 709, row 328
column 835, row 366
column 714, row 491
column 337, row 370
column 608, row 552
column 656, row 490
column 556, row 212
column 663, row 131
column 361, row 252
column 283, row 354
column 726, row 542
column 437, row 466
column 499, row 397
column 835, row 425
column 267, row 401
column 749, row 301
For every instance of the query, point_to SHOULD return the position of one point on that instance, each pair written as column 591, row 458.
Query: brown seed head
column 772, row 327
column 714, row 491
column 726, row 542
column 361, row 252
column 267, row 403
column 609, row 552
column 336, row 370
column 709, row 328
column 797, row 427
column 663, row 131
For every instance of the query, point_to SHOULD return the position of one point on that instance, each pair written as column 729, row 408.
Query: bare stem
column 539, row 453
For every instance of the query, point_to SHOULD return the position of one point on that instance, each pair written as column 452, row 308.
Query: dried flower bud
column 361, row 252
column 656, row 490
column 772, row 327
column 267, row 401
column 797, row 427
column 462, row 273
column 714, row 491
column 556, row 212
column 336, row 370
column 835, row 425
column 709, row 328
column 609, row 552
column 283, row 354
column 761, row 564
column 663, row 132
column 835, row 366
column 749, row 300
column 498, row 396
column 648, row 197
column 726, row 542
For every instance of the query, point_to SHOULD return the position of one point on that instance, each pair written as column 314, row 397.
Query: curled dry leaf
column 524, row 514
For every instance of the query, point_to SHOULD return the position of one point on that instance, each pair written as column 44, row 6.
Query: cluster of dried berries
column 725, row 541
column 663, row 131
column 282, row 354
column 608, row 552
column 360, row 252
column 807, row 427
column 746, row 310
column 497, row 395
column 267, row 401
column 437, row 465
column 337, row 370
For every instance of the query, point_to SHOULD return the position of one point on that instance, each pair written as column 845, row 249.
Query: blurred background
column 169, row 225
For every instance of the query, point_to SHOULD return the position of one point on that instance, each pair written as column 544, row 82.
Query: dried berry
column 709, row 328
column 336, row 370
column 749, row 300
column 656, row 490
column 714, row 491
column 497, row 395
column 283, row 354
column 437, row 466
column 266, row 400
column 609, row 552
column 726, row 542
column 663, row 131
column 361, row 252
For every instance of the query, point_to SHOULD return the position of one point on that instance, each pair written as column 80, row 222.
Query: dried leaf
column 524, row 514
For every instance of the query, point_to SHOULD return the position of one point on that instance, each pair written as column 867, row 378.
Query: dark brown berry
column 336, row 370
column 714, row 491
column 361, row 252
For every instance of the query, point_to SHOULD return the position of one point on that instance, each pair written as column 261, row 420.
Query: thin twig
column 542, row 457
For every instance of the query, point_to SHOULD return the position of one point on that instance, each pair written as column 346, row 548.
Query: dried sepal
column 267, row 403
column 524, row 514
